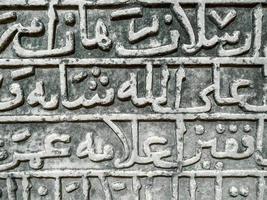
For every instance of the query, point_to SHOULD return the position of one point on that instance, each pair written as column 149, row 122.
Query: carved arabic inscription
column 142, row 99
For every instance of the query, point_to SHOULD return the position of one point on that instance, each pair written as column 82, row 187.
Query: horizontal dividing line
column 119, row 173
column 108, row 62
column 116, row 2
column 128, row 117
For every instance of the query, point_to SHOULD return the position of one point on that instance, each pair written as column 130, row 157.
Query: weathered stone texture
column 133, row 99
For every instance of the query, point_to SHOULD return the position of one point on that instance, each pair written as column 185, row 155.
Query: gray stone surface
column 133, row 99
